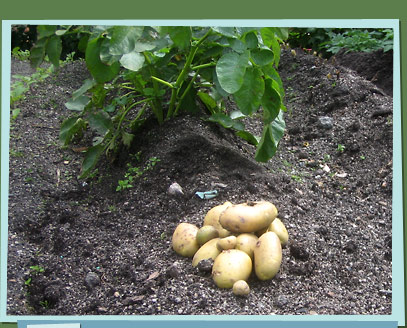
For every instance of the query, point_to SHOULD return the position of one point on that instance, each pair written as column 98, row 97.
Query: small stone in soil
column 92, row 280
column 325, row 122
column 298, row 251
column 205, row 265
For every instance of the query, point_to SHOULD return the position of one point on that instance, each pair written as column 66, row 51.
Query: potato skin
column 212, row 218
column 267, row 256
column 241, row 288
column 279, row 228
column 184, row 239
column 228, row 242
column 207, row 251
column 248, row 217
column 246, row 242
column 206, row 233
column 230, row 266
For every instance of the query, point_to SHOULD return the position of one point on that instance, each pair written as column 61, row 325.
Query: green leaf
column 101, row 122
column 226, row 31
column 144, row 46
column 226, row 121
column 127, row 138
column 181, row 36
column 250, row 138
column 238, row 45
column 132, row 61
column 100, row 71
column 69, row 128
column 230, row 70
column 124, row 39
column 209, row 102
column 91, row 159
column 271, row 102
column 268, row 36
column 249, row 95
column 272, row 134
column 251, row 40
column 54, row 49
column 38, row 52
column 262, row 57
column 105, row 56
column 78, row 104
column 44, row 31
column 88, row 84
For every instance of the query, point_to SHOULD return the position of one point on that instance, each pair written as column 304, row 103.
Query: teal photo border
column 178, row 18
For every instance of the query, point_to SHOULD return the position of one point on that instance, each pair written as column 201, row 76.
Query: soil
column 79, row 247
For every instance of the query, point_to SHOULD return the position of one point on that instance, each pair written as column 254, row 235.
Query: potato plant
column 166, row 70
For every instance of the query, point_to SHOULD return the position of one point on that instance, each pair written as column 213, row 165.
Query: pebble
column 92, row 280
column 325, row 122
column 175, row 189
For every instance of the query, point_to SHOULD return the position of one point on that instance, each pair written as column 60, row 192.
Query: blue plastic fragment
column 207, row 194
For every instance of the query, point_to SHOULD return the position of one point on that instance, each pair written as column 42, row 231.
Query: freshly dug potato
column 207, row 251
column 212, row 218
column 230, row 266
column 184, row 239
column 267, row 256
column 279, row 228
column 226, row 243
column 241, row 288
column 248, row 217
column 246, row 242
column 206, row 233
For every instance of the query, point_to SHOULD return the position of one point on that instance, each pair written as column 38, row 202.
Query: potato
column 248, row 217
column 207, row 251
column 279, row 228
column 184, row 239
column 230, row 266
column 267, row 256
column 241, row 288
column 206, row 233
column 212, row 218
column 226, row 243
column 246, row 242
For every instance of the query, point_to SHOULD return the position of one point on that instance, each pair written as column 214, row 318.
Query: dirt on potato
column 79, row 247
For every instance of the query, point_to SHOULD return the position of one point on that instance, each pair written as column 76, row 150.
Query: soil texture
column 79, row 247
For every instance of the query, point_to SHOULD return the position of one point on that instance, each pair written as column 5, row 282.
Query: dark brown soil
column 109, row 252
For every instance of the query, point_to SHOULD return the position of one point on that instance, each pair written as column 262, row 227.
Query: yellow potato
column 246, row 242
column 248, row 217
column 230, row 266
column 184, row 239
column 206, row 233
column 226, row 243
column 267, row 256
column 279, row 228
column 241, row 288
column 212, row 218
column 207, row 251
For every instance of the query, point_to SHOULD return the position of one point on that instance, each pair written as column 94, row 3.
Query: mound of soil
column 82, row 248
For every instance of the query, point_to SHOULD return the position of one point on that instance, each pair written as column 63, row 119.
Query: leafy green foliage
column 165, row 70
column 360, row 40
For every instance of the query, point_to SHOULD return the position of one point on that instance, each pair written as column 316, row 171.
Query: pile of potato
column 238, row 237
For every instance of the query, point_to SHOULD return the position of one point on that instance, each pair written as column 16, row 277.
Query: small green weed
column 135, row 172
column 19, row 54
column 341, row 148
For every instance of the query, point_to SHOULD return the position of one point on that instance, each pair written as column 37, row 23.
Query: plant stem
column 203, row 66
column 163, row 82
column 155, row 103
column 184, row 72
column 185, row 93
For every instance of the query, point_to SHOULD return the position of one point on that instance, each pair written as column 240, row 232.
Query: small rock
column 350, row 247
column 281, row 301
column 175, row 190
column 325, row 122
column 92, row 280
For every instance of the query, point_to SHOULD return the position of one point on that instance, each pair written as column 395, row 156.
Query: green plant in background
column 169, row 70
column 360, row 40
column 19, row 54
